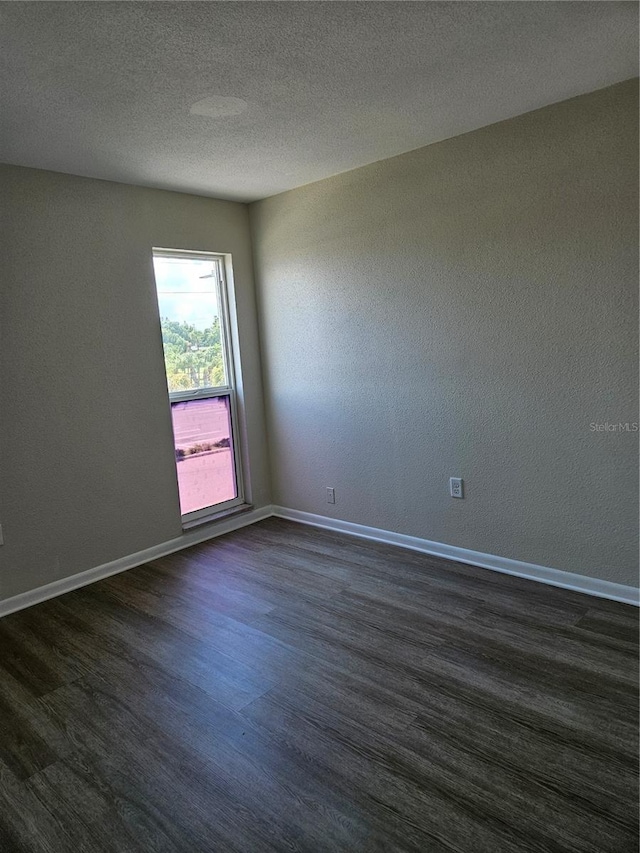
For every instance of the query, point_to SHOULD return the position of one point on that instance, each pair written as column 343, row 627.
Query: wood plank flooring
column 284, row 688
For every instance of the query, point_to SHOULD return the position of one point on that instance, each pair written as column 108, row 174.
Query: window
column 192, row 300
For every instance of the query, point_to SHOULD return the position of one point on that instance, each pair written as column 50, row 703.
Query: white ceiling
column 244, row 100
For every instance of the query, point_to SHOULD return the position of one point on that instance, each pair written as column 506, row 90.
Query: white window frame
column 220, row 262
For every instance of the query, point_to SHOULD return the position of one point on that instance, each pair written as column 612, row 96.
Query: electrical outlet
column 331, row 495
column 455, row 487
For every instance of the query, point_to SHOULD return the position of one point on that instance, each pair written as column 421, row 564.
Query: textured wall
column 87, row 472
column 466, row 309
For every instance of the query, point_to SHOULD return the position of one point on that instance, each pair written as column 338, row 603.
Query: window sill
column 216, row 516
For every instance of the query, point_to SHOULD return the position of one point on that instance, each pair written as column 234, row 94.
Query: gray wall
column 87, row 472
column 466, row 309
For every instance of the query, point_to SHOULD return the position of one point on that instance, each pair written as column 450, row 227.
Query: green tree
column 193, row 357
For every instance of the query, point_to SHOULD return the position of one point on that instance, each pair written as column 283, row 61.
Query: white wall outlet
column 331, row 495
column 455, row 487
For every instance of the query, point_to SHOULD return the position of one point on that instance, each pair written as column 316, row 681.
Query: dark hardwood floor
column 284, row 688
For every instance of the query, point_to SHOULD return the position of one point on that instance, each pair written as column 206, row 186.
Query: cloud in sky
column 184, row 294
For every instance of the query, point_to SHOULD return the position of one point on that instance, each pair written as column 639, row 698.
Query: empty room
column 319, row 427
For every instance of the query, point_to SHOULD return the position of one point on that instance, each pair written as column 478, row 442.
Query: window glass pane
column 204, row 452
column 190, row 318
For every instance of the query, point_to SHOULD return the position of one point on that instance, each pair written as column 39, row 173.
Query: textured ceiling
column 244, row 100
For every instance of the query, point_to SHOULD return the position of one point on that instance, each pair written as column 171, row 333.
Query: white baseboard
column 530, row 571
column 191, row 537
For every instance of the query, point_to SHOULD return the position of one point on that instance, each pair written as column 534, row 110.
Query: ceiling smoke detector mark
column 217, row 106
